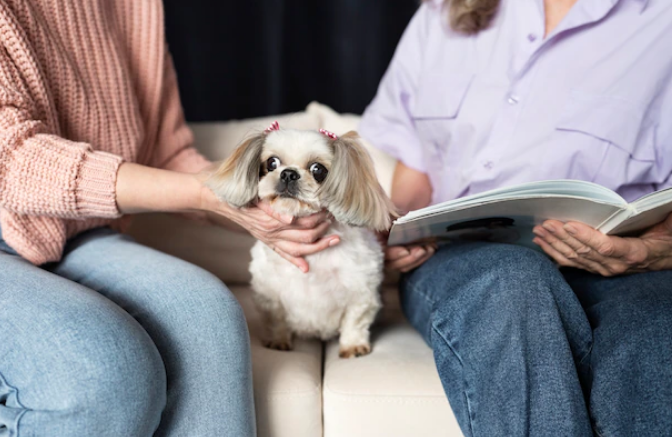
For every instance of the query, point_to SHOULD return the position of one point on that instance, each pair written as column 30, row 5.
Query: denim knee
column 509, row 278
column 101, row 375
column 475, row 275
column 477, row 289
column 221, row 310
column 206, row 302
column 119, row 376
column 202, row 308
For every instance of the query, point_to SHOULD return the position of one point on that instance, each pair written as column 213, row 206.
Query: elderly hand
column 405, row 258
column 574, row 244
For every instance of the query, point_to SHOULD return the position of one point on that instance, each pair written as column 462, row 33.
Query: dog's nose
column 288, row 175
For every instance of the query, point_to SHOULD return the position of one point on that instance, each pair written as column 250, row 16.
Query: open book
column 508, row 215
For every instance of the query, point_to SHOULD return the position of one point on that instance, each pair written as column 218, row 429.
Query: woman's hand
column 143, row 189
column 405, row 258
column 411, row 189
column 290, row 238
column 577, row 245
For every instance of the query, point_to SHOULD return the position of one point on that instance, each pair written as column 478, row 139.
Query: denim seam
column 466, row 394
column 416, row 290
column 18, row 401
column 597, row 431
column 587, row 353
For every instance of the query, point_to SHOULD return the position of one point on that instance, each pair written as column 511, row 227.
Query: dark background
column 250, row 58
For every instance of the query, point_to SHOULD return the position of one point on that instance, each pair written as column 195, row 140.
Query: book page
column 507, row 221
column 640, row 221
column 553, row 188
column 653, row 200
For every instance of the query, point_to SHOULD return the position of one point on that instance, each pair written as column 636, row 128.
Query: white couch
column 309, row 392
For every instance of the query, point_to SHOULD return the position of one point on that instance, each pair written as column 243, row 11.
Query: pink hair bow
column 328, row 134
column 274, row 126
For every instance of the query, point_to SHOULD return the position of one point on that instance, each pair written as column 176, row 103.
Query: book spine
column 616, row 219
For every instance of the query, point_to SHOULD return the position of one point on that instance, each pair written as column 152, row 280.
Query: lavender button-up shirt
column 592, row 101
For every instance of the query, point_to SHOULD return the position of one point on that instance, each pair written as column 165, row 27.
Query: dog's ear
column 351, row 191
column 236, row 180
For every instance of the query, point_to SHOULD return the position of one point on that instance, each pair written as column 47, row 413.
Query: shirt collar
column 643, row 3
column 595, row 4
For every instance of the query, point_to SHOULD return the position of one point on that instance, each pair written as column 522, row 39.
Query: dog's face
column 303, row 172
column 293, row 167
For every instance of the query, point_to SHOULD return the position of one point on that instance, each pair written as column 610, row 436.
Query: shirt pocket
column 605, row 139
column 436, row 110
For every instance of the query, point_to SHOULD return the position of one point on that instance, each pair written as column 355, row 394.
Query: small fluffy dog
column 301, row 173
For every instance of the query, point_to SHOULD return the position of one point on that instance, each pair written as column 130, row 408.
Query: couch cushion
column 393, row 392
column 287, row 385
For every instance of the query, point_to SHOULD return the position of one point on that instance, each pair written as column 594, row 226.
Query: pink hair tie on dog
column 328, row 134
column 274, row 126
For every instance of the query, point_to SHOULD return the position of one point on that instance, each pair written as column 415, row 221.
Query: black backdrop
column 248, row 58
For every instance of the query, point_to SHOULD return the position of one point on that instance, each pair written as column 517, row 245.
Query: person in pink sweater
column 100, row 335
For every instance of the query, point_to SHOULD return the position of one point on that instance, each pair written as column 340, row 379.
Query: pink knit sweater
column 84, row 85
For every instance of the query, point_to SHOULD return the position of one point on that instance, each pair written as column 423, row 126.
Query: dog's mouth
column 288, row 191
column 286, row 195
column 288, row 203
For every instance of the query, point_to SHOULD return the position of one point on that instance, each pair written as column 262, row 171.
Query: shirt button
column 488, row 165
column 513, row 99
column 531, row 37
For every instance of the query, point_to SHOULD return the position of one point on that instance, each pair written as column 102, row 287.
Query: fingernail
column 549, row 227
column 287, row 219
column 334, row 242
column 571, row 229
column 421, row 252
column 405, row 251
column 541, row 232
column 304, row 269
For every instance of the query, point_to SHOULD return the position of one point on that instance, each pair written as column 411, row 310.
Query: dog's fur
column 339, row 295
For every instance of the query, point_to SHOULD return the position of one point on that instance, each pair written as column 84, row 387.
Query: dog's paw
column 354, row 351
column 281, row 345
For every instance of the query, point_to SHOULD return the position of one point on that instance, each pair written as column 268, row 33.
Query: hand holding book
column 578, row 245
column 406, row 258
column 510, row 215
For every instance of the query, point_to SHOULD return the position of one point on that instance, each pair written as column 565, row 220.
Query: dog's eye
column 272, row 163
column 318, row 171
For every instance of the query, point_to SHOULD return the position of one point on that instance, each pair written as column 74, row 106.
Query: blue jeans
column 523, row 348
column 117, row 340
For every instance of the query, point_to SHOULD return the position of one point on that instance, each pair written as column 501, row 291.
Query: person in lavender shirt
column 483, row 94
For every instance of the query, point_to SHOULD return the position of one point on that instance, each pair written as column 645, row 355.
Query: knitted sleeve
column 42, row 173
column 174, row 148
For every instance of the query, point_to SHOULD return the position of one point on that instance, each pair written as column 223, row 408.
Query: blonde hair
column 471, row 16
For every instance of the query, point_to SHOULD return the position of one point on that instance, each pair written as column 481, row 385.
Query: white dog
column 301, row 173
